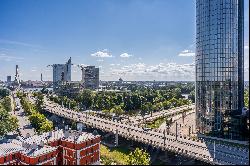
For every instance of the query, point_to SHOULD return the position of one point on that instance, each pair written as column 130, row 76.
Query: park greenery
column 143, row 101
column 8, row 123
column 138, row 157
column 157, row 122
column 123, row 156
column 38, row 120
column 113, row 156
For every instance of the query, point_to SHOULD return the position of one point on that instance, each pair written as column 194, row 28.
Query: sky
column 132, row 39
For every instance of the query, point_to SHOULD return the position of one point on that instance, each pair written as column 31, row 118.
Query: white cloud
column 18, row 43
column 187, row 53
column 125, row 55
column 100, row 60
column 102, row 54
column 163, row 71
column 33, row 69
column 9, row 58
column 112, row 64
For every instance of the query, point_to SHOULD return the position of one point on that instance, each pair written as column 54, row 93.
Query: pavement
column 182, row 126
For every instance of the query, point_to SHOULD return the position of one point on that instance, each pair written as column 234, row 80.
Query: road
column 196, row 149
column 23, row 121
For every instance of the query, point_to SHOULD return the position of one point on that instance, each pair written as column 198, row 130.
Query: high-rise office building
column 61, row 72
column 90, row 77
column 219, row 68
column 8, row 79
column 17, row 79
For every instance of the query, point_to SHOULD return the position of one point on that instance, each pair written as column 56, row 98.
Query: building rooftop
column 37, row 145
column 68, row 135
column 7, row 148
column 38, row 150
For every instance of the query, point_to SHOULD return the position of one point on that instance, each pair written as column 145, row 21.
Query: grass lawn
column 114, row 155
column 156, row 123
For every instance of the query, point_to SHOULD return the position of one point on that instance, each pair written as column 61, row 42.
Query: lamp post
column 176, row 125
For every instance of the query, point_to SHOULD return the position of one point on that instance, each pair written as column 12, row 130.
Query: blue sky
column 132, row 39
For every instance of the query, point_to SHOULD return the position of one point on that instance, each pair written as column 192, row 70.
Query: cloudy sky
column 131, row 39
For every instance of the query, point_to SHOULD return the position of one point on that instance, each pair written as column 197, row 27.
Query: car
column 146, row 129
column 18, row 108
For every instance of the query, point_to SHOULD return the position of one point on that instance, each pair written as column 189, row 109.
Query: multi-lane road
column 23, row 121
column 196, row 149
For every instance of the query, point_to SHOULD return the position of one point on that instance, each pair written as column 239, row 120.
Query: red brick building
column 59, row 147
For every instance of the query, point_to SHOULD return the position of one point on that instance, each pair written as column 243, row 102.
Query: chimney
column 41, row 143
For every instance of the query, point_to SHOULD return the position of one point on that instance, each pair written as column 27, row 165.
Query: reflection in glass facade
column 219, row 67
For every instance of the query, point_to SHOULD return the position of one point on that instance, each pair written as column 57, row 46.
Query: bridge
column 198, row 149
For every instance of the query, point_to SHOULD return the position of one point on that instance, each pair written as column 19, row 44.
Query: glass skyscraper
column 219, row 68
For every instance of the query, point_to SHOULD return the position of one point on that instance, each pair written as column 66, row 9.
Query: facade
column 8, row 79
column 61, row 72
column 52, row 148
column 69, row 89
column 219, row 68
column 90, row 77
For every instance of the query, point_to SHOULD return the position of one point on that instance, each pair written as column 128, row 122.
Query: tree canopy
column 138, row 157
column 8, row 123
column 37, row 120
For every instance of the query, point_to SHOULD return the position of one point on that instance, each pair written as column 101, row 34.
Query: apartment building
column 58, row 147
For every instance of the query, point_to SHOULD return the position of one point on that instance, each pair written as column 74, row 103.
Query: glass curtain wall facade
column 219, row 68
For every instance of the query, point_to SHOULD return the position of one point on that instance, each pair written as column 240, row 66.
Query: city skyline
column 134, row 40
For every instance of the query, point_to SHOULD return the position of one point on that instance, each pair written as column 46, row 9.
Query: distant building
column 17, row 79
column 120, row 80
column 90, row 77
column 61, row 72
column 58, row 147
column 8, row 79
column 41, row 76
column 68, row 89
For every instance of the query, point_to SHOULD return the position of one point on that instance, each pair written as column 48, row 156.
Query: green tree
column 246, row 98
column 46, row 126
column 86, row 98
column 39, row 100
column 106, row 111
column 191, row 96
column 117, row 110
column 37, row 120
column 138, row 157
column 158, row 106
column 8, row 123
column 4, row 93
column 166, row 104
column 6, row 103
column 147, row 107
